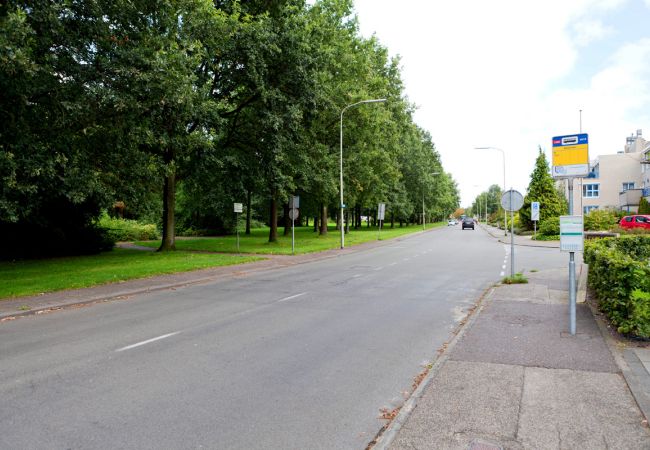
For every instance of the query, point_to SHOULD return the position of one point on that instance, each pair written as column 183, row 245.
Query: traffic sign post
column 571, row 156
column 534, row 216
column 571, row 160
column 293, row 215
column 512, row 201
column 381, row 210
column 238, row 208
column 294, row 204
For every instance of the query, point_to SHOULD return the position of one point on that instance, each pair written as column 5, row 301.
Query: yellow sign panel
column 570, row 155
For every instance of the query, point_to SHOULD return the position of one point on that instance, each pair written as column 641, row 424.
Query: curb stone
column 387, row 435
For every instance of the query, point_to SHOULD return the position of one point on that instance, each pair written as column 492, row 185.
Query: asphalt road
column 300, row 357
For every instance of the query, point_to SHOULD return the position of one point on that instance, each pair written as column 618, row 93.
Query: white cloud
column 503, row 74
column 587, row 31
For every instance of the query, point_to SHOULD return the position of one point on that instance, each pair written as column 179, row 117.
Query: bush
column 619, row 273
column 550, row 227
column 601, row 220
column 128, row 230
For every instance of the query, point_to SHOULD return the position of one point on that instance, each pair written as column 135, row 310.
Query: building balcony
column 628, row 200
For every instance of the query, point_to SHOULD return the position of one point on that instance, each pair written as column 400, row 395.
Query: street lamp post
column 503, row 154
column 342, row 206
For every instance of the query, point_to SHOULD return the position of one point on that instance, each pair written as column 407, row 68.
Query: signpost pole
column 512, row 239
column 238, row 209
column 572, row 272
column 237, row 225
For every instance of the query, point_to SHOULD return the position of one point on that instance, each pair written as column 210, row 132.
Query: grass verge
column 306, row 241
column 33, row 277
column 519, row 278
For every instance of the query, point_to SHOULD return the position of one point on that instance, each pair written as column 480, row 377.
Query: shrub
column 601, row 220
column 550, row 227
column 619, row 273
column 128, row 230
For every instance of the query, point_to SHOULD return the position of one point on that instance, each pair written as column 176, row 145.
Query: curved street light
column 342, row 205
column 503, row 154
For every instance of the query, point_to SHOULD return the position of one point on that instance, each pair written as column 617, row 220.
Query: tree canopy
column 214, row 102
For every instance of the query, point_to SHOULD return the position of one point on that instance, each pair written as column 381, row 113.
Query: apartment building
column 645, row 172
column 616, row 181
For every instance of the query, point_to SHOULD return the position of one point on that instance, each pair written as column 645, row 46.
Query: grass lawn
column 306, row 240
column 31, row 277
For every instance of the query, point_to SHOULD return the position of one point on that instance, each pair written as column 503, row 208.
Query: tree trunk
column 323, row 219
column 315, row 224
column 392, row 220
column 273, row 220
column 169, row 202
column 346, row 216
column 248, row 211
column 287, row 220
column 338, row 220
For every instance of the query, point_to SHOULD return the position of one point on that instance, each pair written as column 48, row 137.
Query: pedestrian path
column 516, row 379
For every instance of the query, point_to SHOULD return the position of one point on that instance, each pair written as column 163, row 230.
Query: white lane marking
column 393, row 264
column 148, row 341
column 378, row 268
column 356, row 275
column 502, row 273
column 503, row 267
column 292, row 296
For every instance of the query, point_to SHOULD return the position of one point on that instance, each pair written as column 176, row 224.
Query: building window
column 590, row 190
column 587, row 209
column 628, row 185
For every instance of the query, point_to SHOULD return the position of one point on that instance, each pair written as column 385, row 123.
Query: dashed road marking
column 292, row 297
column 148, row 341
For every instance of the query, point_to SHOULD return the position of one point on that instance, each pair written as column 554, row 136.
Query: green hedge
column 619, row 273
column 128, row 230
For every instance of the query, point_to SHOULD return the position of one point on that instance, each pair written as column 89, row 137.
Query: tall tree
column 541, row 189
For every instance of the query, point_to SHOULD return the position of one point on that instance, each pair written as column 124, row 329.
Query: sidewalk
column 515, row 378
column 519, row 240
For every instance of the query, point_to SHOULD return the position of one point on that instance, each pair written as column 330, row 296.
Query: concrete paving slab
column 528, row 334
column 643, row 354
column 638, row 379
column 565, row 409
column 466, row 402
column 533, row 293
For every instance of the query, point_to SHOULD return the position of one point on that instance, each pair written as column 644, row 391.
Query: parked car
column 468, row 222
column 635, row 221
column 451, row 222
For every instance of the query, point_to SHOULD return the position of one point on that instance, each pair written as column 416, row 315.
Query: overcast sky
column 514, row 73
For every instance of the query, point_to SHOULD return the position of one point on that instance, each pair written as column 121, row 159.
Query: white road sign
column 534, row 211
column 512, row 200
column 293, row 214
column 381, row 210
column 572, row 236
column 239, row 207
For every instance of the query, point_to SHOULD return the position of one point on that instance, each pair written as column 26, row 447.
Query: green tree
column 644, row 206
column 541, row 189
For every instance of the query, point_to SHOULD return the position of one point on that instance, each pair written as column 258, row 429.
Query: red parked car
column 635, row 221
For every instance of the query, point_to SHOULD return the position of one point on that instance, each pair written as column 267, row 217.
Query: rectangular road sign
column 571, row 156
column 381, row 210
column 534, row 210
column 572, row 235
column 239, row 207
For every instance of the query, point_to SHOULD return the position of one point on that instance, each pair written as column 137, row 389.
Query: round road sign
column 512, row 200
column 293, row 213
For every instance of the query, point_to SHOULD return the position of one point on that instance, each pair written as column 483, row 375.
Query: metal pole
column 512, row 239
column 237, row 227
column 505, row 217
column 293, row 236
column 423, row 219
column 376, row 100
column 572, row 272
column 341, row 185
